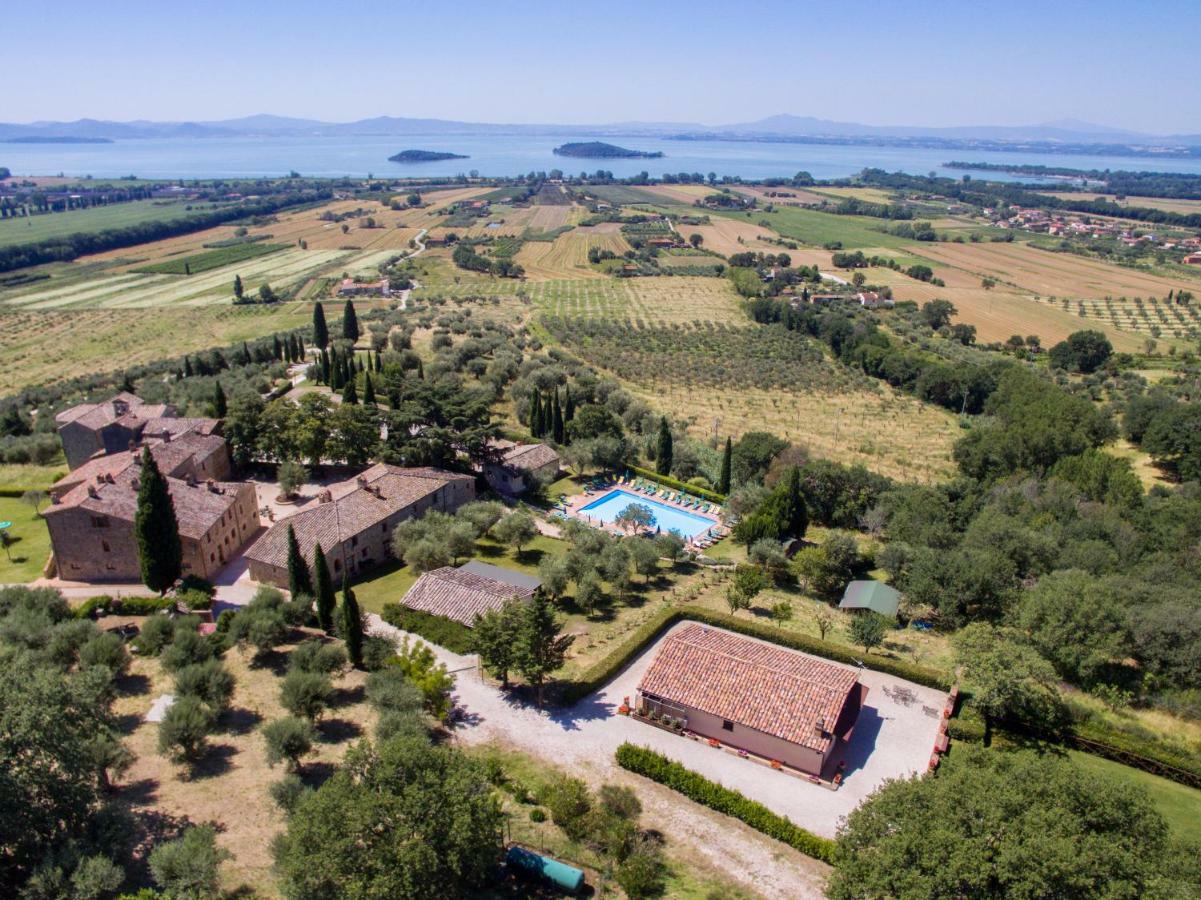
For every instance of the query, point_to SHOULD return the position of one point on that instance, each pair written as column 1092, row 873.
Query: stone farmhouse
column 91, row 512
column 776, row 703
column 353, row 521
column 518, row 466
column 116, row 425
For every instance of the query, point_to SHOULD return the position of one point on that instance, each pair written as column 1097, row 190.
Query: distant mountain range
column 780, row 127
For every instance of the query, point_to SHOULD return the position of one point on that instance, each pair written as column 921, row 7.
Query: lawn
column 27, row 476
column 1178, row 804
column 26, row 556
column 96, row 218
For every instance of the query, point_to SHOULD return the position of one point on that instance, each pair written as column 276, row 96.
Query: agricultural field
column 41, row 347
column 661, row 300
column 800, row 196
column 1152, row 318
column 1166, row 204
column 728, row 236
column 97, row 218
column 680, row 193
column 196, row 263
column 567, row 255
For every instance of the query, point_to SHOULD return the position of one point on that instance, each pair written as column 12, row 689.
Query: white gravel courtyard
column 894, row 737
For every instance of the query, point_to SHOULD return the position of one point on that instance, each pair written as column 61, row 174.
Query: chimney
column 136, row 484
column 211, row 485
column 93, row 493
column 166, row 436
column 108, row 478
column 361, row 481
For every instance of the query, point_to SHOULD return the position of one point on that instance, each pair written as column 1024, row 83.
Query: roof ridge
column 759, row 665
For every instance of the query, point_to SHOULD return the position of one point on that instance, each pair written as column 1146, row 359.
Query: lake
column 511, row 154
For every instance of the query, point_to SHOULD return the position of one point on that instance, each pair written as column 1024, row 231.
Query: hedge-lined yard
column 696, row 787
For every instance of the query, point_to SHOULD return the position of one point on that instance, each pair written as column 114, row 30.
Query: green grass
column 1178, row 804
column 27, row 476
column 819, row 228
column 31, row 546
column 97, row 218
column 211, row 259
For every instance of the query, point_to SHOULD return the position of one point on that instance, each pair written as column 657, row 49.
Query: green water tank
column 567, row 877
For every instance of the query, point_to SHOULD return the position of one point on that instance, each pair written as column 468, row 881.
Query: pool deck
column 574, row 506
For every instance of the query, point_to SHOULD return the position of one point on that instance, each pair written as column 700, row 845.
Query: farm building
column 874, row 300
column 353, row 521
column 1193, row 259
column 776, row 703
column 91, row 513
column 466, row 592
column 873, row 595
column 518, row 466
column 114, row 425
column 351, row 288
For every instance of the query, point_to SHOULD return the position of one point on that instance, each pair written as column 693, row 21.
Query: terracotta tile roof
column 529, row 456
column 352, row 513
column 460, row 595
column 783, row 693
column 197, row 507
column 173, row 458
column 177, row 425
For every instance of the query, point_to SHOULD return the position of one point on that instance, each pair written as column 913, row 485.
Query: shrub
column 568, row 802
column 537, row 814
column 646, row 762
column 314, row 655
column 185, row 728
column 289, row 791
column 376, row 652
column 87, row 609
column 187, row 648
column 439, row 630
column 189, row 866
column 668, row 481
column 106, row 649
column 305, row 694
column 209, row 681
column 142, row 606
column 157, row 632
column 195, row 600
column 642, row 873
column 288, row 739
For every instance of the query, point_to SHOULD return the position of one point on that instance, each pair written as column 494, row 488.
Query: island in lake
column 57, row 139
column 407, row 156
column 601, row 150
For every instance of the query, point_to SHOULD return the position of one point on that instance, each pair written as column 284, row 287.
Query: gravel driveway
column 893, row 738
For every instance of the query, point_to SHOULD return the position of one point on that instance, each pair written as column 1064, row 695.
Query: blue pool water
column 667, row 518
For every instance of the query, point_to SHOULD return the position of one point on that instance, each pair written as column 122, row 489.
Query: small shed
column 873, row 595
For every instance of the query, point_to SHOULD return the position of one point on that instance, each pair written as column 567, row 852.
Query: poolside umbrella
column 658, row 529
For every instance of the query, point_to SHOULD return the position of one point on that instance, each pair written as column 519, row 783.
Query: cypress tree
column 300, row 354
column 187, row 367
column 335, row 371
column 794, row 517
column 663, row 454
column 246, row 357
column 325, row 366
column 569, row 406
column 320, row 329
column 299, row 579
column 277, row 350
column 238, row 289
column 326, row 599
column 557, row 420
column 536, row 414
column 420, row 371
column 220, row 407
column 351, row 624
column 350, row 323
column 350, row 394
column 727, row 459
column 368, row 391
column 160, row 553
column 293, row 348
column 379, row 362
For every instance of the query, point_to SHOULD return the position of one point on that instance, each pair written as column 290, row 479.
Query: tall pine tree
column 350, row 394
column 536, row 426
column 539, row 648
column 239, row 291
column 368, row 391
column 568, row 406
column 727, row 459
column 326, row 599
column 160, row 552
column 320, row 329
column 663, row 454
column 300, row 581
column 350, row 624
column 557, row 431
column 350, row 323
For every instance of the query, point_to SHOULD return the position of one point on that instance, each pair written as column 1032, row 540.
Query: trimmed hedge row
column 604, row 669
column 676, row 484
column 698, row 788
column 122, row 606
column 439, row 630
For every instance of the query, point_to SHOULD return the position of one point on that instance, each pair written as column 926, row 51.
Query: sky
column 1131, row 64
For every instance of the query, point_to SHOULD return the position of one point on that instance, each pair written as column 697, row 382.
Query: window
column 100, row 521
column 104, row 546
column 727, row 725
column 354, row 541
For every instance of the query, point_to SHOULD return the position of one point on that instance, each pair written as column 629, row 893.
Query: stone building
column 115, row 425
column 519, row 466
column 91, row 513
column 353, row 521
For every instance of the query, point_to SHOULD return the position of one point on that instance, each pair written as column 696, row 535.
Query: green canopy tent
column 873, row 595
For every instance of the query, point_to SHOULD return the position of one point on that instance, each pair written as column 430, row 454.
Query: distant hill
column 410, row 156
column 601, row 150
column 57, row 139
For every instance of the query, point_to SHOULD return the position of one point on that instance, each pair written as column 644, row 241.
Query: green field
column 819, row 228
column 27, row 556
column 97, row 218
column 211, row 259
column 1178, row 804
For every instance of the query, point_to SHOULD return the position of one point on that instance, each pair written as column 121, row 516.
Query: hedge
column 439, row 630
column 601, row 672
column 675, row 483
column 698, row 788
column 123, row 606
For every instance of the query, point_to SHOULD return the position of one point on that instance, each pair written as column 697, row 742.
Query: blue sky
column 1129, row 64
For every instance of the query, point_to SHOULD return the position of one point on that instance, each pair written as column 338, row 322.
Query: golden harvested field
column 801, row 196
column 722, row 234
column 548, row 218
column 867, row 195
column 1166, row 204
column 230, row 786
column 679, row 193
column 889, row 432
column 1053, row 274
column 40, row 347
column 567, row 255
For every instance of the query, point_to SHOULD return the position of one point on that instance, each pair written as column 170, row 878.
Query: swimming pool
column 667, row 518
